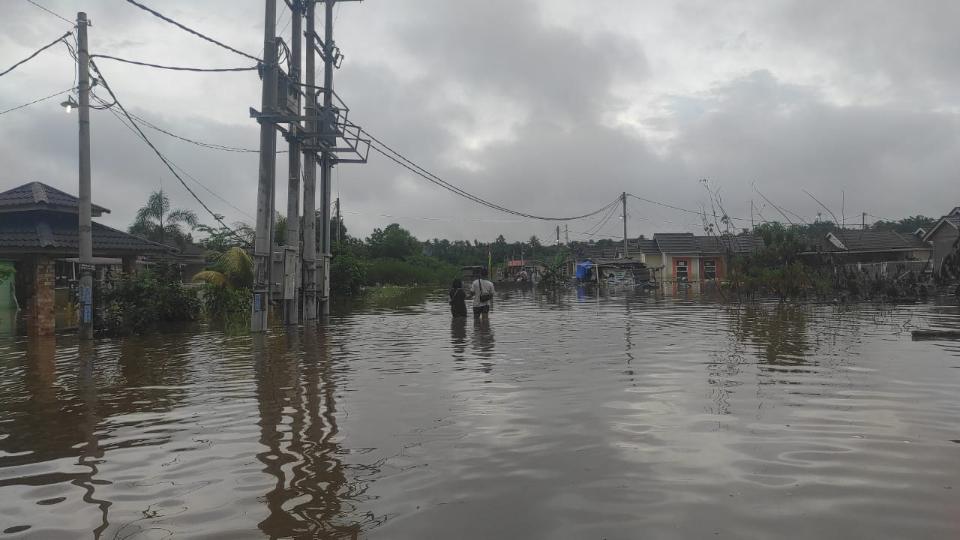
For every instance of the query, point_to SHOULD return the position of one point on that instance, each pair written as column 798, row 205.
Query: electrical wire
column 38, row 100
column 55, row 14
column 35, row 53
column 398, row 158
column 126, row 124
column 595, row 229
column 192, row 31
column 143, row 122
column 174, row 68
column 160, row 155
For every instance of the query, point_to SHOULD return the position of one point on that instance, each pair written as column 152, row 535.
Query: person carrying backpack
column 482, row 293
column 458, row 299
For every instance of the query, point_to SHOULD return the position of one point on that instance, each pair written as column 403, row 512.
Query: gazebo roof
column 43, row 232
column 39, row 196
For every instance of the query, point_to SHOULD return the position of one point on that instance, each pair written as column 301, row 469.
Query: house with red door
column 687, row 258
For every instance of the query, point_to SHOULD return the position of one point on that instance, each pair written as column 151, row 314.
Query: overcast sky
column 551, row 107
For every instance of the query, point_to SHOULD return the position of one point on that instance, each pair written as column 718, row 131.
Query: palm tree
column 232, row 268
column 155, row 221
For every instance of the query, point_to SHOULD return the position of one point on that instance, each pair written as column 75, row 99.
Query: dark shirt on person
column 458, row 302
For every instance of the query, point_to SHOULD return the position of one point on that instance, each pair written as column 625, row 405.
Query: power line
column 38, row 51
column 174, row 68
column 127, row 125
column 55, row 14
column 38, row 100
column 603, row 222
column 406, row 163
column 143, row 136
column 192, row 31
column 212, row 146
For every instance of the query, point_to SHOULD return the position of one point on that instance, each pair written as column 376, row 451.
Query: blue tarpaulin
column 583, row 269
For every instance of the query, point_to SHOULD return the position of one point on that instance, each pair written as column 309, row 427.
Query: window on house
column 710, row 269
column 682, row 271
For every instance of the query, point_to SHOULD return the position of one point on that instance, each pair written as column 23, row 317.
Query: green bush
column 347, row 273
column 226, row 304
column 142, row 302
column 417, row 270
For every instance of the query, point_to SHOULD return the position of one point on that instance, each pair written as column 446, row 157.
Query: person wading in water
column 482, row 293
column 458, row 299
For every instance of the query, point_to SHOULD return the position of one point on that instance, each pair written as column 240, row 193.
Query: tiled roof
column 877, row 241
column 645, row 245
column 677, row 242
column 736, row 244
column 37, row 195
column 58, row 233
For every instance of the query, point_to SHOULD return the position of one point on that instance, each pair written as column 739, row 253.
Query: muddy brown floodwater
column 574, row 417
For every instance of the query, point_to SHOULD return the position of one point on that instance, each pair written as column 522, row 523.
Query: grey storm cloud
column 546, row 107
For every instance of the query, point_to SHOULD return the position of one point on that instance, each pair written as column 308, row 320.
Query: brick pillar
column 40, row 308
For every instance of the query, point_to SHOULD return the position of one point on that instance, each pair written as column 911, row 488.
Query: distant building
column 879, row 253
column 689, row 258
column 943, row 237
column 871, row 246
column 39, row 234
column 677, row 257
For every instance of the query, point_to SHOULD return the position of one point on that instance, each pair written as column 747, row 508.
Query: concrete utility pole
column 327, row 158
column 291, row 259
column 558, row 235
column 263, row 245
column 85, row 225
column 626, row 248
column 566, row 234
column 310, row 300
column 325, row 127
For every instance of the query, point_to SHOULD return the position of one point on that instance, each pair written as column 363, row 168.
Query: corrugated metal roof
column 41, row 231
column 34, row 195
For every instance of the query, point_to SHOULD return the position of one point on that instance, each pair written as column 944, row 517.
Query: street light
column 69, row 105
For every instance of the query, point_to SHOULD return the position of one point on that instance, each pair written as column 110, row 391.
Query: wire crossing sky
column 549, row 108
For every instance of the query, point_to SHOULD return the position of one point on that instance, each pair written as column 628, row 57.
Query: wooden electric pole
column 85, row 210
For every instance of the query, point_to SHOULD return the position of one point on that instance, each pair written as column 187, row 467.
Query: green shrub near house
column 143, row 302
column 226, row 287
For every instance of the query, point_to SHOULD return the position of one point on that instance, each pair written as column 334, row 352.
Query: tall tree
column 393, row 242
column 157, row 222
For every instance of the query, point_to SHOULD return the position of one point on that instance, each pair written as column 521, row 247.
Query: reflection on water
column 562, row 416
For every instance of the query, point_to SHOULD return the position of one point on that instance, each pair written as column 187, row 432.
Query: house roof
column 677, row 242
column 39, row 196
column 867, row 241
column 645, row 245
column 39, row 232
column 747, row 243
column 951, row 219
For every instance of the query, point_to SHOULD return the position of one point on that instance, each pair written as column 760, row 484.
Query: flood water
column 627, row 416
